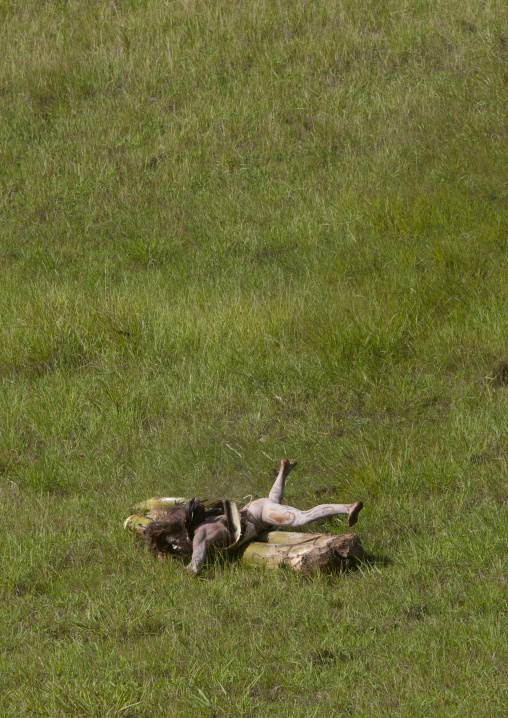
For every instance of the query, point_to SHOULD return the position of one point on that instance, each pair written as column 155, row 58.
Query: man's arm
column 214, row 533
column 199, row 546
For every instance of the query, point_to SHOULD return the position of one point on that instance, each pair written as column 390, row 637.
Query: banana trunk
column 306, row 553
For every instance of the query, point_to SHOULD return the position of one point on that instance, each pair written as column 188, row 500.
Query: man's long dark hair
column 176, row 528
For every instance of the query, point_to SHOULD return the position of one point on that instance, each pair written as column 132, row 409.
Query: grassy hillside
column 232, row 232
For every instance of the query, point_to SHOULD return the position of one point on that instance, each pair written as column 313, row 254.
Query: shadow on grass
column 377, row 559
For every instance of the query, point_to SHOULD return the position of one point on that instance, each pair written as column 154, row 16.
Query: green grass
column 232, row 233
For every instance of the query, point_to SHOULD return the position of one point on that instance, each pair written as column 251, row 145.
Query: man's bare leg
column 275, row 514
column 277, row 492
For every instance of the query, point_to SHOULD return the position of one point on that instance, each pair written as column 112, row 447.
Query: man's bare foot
column 353, row 513
column 286, row 466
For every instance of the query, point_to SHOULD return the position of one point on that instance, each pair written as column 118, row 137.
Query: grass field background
column 232, row 232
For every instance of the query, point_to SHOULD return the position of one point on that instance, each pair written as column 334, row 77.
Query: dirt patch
column 282, row 518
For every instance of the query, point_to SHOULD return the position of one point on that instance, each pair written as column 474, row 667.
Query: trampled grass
column 232, row 233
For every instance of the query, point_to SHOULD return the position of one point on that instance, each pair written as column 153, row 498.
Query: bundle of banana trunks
column 302, row 552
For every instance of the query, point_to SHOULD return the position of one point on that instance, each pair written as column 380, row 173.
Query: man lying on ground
column 189, row 528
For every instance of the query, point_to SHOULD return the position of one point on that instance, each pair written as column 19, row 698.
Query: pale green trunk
column 156, row 508
column 137, row 524
column 304, row 552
